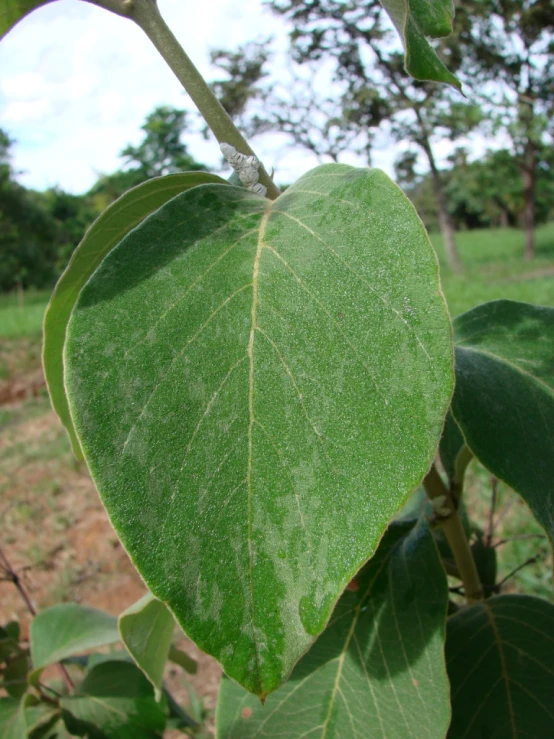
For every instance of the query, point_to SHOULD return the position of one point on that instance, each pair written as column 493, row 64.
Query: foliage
column 258, row 381
column 102, row 694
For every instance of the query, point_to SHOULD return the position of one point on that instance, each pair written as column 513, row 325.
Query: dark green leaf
column 377, row 671
column 238, row 371
column 146, row 629
column 12, row 630
column 485, row 560
column 451, row 443
column 499, row 656
column 15, row 675
column 414, row 20
column 504, row 397
column 67, row 629
column 108, row 229
column 12, row 11
column 115, row 701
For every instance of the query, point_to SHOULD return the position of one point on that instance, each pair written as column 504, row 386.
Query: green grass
column 494, row 268
column 21, row 313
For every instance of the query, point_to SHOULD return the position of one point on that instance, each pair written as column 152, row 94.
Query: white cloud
column 76, row 82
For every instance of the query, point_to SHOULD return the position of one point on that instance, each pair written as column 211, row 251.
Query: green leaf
column 178, row 657
column 414, row 20
column 451, row 444
column 146, row 629
column 12, row 720
column 504, row 397
column 378, row 670
column 12, row 11
column 115, row 700
column 15, row 675
column 499, row 656
column 67, row 629
column 108, row 229
column 239, row 370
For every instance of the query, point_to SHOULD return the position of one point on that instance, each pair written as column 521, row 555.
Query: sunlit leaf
column 499, row 656
column 240, row 371
column 378, row 669
column 146, row 629
column 504, row 397
column 67, row 629
column 108, row 229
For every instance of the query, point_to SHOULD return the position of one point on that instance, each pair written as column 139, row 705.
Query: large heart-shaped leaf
column 115, row 700
column 504, row 399
column 499, row 656
column 257, row 387
column 378, row 663
column 12, row 11
column 106, row 231
column 415, row 20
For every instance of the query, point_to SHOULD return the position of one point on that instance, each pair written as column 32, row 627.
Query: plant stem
column 14, row 578
column 454, row 531
column 146, row 15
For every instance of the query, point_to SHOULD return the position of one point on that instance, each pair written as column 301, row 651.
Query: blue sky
column 76, row 83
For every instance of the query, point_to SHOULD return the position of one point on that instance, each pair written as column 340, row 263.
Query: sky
column 77, row 82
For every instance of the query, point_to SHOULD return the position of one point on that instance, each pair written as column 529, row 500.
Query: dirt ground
column 55, row 532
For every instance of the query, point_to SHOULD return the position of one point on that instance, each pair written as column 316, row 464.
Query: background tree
column 507, row 54
column 353, row 36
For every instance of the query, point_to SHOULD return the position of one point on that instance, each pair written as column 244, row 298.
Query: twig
column 13, row 577
column 530, row 561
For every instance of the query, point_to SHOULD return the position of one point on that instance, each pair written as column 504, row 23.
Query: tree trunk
column 528, row 178
column 445, row 222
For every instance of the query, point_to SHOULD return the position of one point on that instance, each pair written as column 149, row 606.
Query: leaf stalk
column 451, row 524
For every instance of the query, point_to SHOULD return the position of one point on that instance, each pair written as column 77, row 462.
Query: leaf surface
column 504, row 398
column 115, row 700
column 146, row 629
column 415, row 20
column 107, row 230
column 238, row 371
column 12, row 720
column 12, row 11
column 379, row 663
column 499, row 656
column 67, row 629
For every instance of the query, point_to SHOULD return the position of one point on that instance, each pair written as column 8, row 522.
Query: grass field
column 54, row 523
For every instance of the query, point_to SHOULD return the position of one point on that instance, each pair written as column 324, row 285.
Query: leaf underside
column 377, row 670
column 257, row 387
column 499, row 656
column 504, row 398
column 106, row 231
column 415, row 20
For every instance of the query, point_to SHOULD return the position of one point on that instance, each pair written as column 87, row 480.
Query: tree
column 511, row 42
column 161, row 150
column 356, row 38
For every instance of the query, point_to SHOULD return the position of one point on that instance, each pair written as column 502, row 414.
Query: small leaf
column 178, row 657
column 377, row 670
column 451, row 443
column 146, row 629
column 414, row 20
column 12, row 721
column 236, row 369
column 504, row 397
column 12, row 11
column 67, row 629
column 499, row 656
column 108, row 229
column 15, row 675
column 115, row 700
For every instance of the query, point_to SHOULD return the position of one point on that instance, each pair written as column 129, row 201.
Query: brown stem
column 449, row 520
